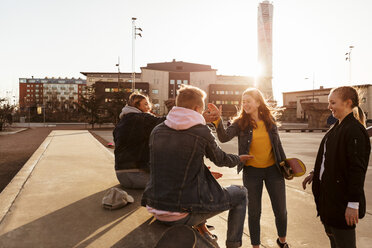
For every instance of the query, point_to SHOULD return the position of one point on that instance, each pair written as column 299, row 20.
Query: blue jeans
column 133, row 180
column 235, row 222
column 340, row 238
column 253, row 179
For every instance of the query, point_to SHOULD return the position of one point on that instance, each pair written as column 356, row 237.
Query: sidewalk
column 55, row 201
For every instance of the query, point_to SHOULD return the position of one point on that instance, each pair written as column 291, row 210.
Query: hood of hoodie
column 128, row 109
column 182, row 118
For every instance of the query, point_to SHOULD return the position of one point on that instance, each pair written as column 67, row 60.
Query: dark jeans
column 133, row 180
column 253, row 179
column 235, row 222
column 340, row 238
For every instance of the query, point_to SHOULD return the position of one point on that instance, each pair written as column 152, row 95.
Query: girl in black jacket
column 131, row 137
column 340, row 169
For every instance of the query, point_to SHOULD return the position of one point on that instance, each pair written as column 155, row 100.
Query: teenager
column 181, row 189
column 340, row 169
column 258, row 136
column 131, row 137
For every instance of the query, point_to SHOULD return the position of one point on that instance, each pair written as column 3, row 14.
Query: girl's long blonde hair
column 265, row 112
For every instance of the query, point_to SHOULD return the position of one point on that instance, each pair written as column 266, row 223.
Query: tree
column 90, row 105
column 6, row 111
column 115, row 105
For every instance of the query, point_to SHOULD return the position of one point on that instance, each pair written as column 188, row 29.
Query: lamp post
column 348, row 58
column 118, row 65
column 134, row 35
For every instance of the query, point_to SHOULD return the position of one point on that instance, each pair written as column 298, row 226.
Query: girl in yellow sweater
column 258, row 135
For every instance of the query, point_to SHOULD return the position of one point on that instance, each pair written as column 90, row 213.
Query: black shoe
column 282, row 245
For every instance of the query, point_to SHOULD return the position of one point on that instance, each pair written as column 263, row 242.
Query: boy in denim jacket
column 181, row 189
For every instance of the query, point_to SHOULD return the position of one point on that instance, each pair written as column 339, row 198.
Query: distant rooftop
column 110, row 74
column 53, row 80
column 178, row 66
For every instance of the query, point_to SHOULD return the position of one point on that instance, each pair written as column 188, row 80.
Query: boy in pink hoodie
column 181, row 189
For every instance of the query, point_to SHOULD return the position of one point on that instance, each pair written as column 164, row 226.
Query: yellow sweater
column 261, row 148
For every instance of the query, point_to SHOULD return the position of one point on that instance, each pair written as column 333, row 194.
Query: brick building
column 39, row 92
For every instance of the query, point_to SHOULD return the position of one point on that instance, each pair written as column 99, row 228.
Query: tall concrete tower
column 265, row 48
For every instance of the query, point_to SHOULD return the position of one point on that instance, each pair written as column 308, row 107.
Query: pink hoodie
column 179, row 119
column 183, row 118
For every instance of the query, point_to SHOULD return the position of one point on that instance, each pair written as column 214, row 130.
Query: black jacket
column 346, row 161
column 131, row 137
column 245, row 140
column 180, row 181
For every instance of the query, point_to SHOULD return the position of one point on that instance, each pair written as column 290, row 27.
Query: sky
column 61, row 38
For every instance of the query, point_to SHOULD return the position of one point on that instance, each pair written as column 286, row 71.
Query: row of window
column 172, row 81
column 36, row 90
column 226, row 102
column 226, row 92
column 123, row 90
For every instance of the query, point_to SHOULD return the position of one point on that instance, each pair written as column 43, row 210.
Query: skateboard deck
column 293, row 167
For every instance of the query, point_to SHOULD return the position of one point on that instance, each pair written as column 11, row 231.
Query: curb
column 13, row 189
column 12, row 132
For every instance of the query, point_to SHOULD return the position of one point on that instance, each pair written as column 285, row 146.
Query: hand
column 244, row 158
column 351, row 216
column 170, row 103
column 212, row 113
column 308, row 180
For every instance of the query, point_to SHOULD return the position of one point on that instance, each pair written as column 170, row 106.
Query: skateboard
column 292, row 167
column 183, row 236
column 178, row 236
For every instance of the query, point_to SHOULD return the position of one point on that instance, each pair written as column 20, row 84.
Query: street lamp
column 118, row 65
column 134, row 35
column 348, row 58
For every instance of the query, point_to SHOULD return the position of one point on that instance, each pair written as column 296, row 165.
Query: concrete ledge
column 12, row 190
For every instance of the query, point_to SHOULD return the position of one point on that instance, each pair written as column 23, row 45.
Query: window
column 107, row 89
column 28, row 90
column 31, row 81
column 237, row 92
column 218, row 102
column 171, row 81
column 155, row 91
column 44, row 81
column 22, row 80
column 28, row 85
column 37, row 86
column 185, row 81
column 236, row 102
column 179, row 82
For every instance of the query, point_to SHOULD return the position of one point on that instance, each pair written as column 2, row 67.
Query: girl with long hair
column 340, row 169
column 257, row 133
column 131, row 137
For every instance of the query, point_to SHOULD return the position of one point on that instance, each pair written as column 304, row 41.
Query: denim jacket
column 245, row 140
column 179, row 179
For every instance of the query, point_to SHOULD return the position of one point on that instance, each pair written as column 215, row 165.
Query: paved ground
column 18, row 144
column 304, row 229
column 55, row 199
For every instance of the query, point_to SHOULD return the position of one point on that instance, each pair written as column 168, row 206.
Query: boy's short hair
column 190, row 96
